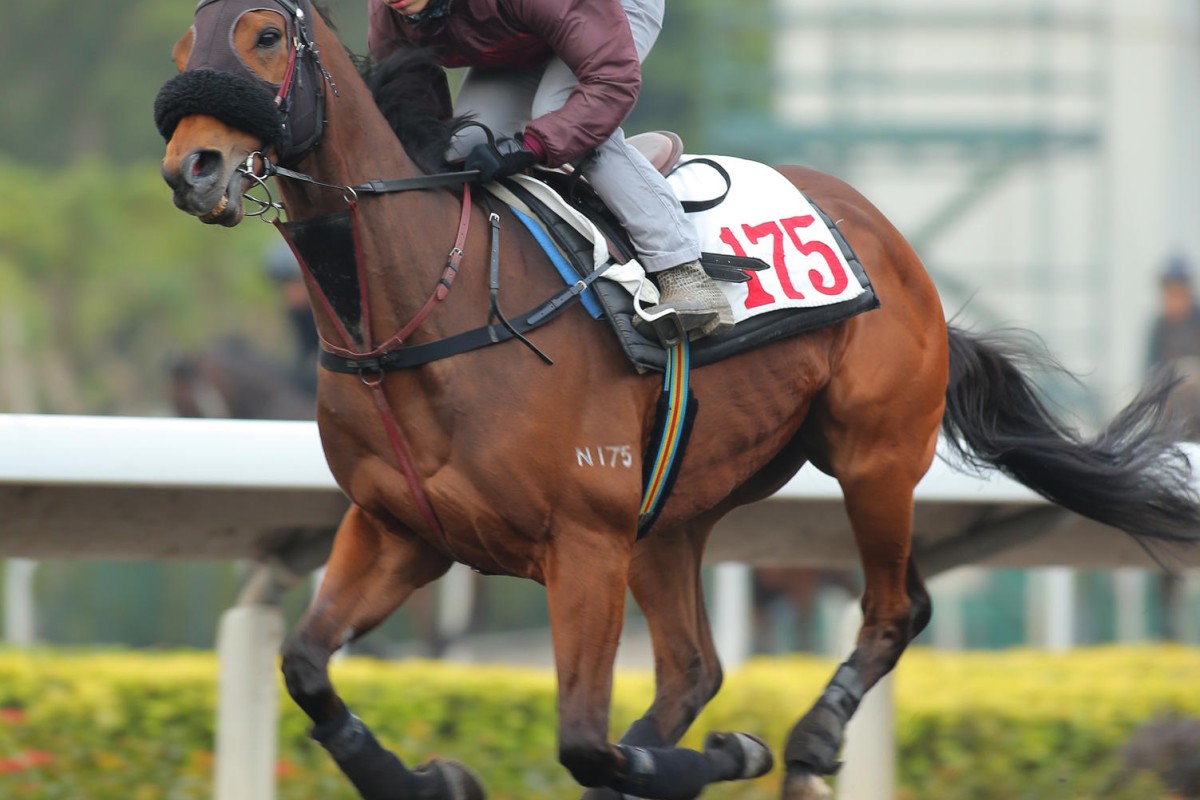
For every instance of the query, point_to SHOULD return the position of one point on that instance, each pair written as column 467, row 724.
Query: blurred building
column 1040, row 156
column 1038, row 153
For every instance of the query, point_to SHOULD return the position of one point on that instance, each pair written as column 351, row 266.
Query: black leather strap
column 694, row 206
column 418, row 354
column 724, row 267
column 381, row 186
column 378, row 186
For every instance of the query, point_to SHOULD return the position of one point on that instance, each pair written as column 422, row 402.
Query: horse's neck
column 357, row 143
column 395, row 230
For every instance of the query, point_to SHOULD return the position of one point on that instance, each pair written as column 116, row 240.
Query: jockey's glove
column 505, row 157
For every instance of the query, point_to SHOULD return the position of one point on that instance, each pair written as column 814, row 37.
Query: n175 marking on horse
column 618, row 455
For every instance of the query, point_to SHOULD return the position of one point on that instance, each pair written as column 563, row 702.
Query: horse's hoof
column 452, row 780
column 803, row 785
column 750, row 753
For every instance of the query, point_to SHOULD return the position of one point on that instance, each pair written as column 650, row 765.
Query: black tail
column 1133, row 475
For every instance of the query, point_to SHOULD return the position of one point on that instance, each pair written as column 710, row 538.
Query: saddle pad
column 762, row 324
column 765, row 216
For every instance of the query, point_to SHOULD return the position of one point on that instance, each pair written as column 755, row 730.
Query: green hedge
column 103, row 280
column 1005, row 725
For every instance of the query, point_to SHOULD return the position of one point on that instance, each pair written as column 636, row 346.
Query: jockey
column 556, row 78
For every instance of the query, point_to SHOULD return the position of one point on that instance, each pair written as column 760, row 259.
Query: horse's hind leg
column 665, row 579
column 878, row 492
column 371, row 571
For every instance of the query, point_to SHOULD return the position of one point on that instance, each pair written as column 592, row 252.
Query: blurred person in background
column 234, row 378
column 1175, row 342
column 284, row 271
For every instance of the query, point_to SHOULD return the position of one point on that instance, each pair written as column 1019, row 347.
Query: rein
column 378, row 186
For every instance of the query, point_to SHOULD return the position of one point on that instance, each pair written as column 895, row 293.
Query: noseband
column 288, row 117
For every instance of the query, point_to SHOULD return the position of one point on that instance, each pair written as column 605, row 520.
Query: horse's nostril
column 201, row 167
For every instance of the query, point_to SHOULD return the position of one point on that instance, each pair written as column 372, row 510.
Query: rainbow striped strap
column 676, row 411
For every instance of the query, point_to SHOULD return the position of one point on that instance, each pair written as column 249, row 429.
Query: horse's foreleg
column 585, row 576
column 896, row 608
column 665, row 580
column 664, row 577
column 587, row 592
column 371, row 571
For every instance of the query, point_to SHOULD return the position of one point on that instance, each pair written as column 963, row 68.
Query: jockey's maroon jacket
column 591, row 37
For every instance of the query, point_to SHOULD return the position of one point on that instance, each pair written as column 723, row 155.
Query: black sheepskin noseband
column 236, row 101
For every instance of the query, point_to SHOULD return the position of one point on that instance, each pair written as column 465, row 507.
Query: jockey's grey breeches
column 505, row 100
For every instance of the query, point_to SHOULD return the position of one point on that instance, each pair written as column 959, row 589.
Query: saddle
column 664, row 150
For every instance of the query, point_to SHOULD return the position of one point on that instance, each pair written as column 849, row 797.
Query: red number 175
column 756, row 295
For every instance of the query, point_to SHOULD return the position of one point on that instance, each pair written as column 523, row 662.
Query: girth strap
column 673, row 425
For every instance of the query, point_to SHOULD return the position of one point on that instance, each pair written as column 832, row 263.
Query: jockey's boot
column 690, row 304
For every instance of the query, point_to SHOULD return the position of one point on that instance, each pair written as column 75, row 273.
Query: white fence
column 154, row 488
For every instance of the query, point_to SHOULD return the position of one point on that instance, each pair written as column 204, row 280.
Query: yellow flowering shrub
column 975, row 726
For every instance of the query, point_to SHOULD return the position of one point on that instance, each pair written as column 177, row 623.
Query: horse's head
column 250, row 83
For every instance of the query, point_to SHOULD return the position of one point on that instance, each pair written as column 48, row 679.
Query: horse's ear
column 183, row 49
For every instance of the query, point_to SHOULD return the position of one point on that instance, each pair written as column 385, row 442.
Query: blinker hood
column 217, row 82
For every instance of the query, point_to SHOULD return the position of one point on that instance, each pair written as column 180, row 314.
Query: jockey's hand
column 506, row 157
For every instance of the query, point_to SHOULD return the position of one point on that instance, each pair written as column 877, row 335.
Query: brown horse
column 472, row 458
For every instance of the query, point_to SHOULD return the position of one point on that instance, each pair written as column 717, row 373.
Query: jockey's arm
column 593, row 39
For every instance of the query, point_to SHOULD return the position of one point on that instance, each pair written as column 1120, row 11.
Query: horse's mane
column 411, row 90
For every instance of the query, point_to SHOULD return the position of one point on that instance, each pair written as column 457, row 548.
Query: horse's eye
column 268, row 38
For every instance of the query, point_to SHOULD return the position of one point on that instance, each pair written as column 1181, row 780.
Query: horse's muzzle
column 197, row 172
column 203, row 114
column 204, row 185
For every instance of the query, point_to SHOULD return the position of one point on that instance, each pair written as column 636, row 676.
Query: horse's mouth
column 228, row 209
column 215, row 214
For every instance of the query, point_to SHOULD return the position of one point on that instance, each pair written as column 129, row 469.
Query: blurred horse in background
column 233, row 379
column 786, row 602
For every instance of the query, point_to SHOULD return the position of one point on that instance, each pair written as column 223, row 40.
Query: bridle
column 300, row 94
column 306, row 71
